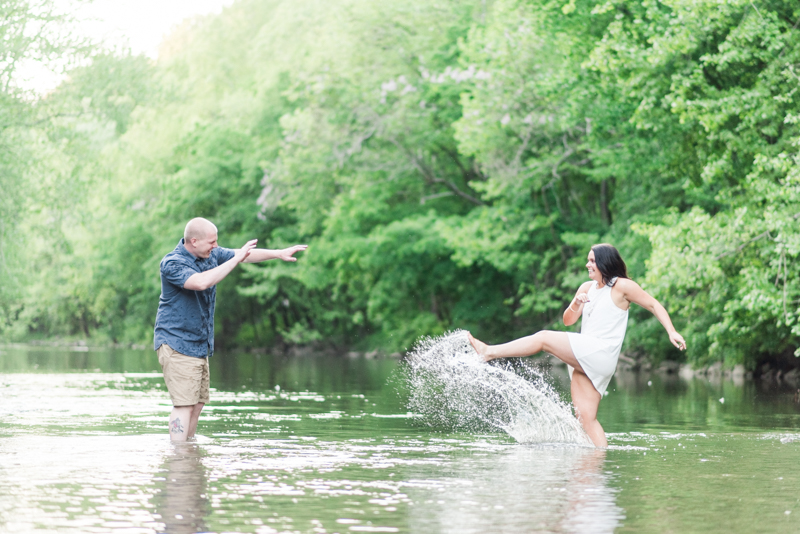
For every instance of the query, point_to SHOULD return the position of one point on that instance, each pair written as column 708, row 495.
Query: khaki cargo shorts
column 186, row 377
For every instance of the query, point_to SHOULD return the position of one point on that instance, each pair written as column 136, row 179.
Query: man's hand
column 288, row 253
column 210, row 278
column 262, row 254
column 244, row 252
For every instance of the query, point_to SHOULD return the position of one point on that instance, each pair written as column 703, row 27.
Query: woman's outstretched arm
column 634, row 293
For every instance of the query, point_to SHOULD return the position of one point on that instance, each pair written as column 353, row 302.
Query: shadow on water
column 181, row 499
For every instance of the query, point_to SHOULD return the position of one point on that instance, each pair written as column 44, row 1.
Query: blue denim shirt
column 185, row 318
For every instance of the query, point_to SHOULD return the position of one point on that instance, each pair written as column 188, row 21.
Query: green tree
column 450, row 164
column 33, row 173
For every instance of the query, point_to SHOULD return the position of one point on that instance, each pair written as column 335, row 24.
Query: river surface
column 327, row 444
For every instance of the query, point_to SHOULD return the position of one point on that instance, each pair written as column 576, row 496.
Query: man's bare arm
column 212, row 277
column 264, row 254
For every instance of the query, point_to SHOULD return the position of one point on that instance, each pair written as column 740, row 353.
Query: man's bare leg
column 196, row 409
column 179, row 421
column 183, row 421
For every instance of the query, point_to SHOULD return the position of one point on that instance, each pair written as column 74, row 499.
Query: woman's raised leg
column 556, row 343
column 585, row 397
column 586, row 400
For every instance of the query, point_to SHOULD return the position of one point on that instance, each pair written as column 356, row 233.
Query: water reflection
column 522, row 489
column 592, row 503
column 181, row 500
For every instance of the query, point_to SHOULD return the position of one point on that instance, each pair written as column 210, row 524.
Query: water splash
column 451, row 386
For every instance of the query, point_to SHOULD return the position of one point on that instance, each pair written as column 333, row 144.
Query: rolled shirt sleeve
column 176, row 272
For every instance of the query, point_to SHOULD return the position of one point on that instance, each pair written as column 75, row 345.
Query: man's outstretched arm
column 263, row 254
column 212, row 277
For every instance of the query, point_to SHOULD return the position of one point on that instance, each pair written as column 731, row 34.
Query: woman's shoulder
column 625, row 284
column 586, row 286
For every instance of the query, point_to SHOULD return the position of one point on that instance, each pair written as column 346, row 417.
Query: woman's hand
column 677, row 340
column 580, row 299
column 573, row 311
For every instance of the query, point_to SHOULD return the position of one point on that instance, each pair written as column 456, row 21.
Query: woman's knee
column 557, row 344
column 543, row 335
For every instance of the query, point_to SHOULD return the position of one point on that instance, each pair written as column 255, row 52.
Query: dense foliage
column 449, row 163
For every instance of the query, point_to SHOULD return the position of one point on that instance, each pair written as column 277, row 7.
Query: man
column 184, row 333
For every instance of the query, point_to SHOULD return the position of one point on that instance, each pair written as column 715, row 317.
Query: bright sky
column 138, row 24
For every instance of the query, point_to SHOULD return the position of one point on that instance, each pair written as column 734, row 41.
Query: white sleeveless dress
column 602, row 332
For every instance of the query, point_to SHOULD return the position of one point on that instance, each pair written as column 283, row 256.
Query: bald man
column 184, row 333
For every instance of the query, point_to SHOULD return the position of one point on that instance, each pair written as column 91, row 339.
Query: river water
column 329, row 444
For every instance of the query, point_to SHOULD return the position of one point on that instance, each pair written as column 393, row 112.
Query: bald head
column 199, row 228
column 200, row 237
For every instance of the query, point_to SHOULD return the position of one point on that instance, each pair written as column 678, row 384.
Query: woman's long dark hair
column 609, row 262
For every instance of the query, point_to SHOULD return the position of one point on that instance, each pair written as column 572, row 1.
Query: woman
column 593, row 354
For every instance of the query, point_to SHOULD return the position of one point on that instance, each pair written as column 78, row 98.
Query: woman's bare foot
column 480, row 347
